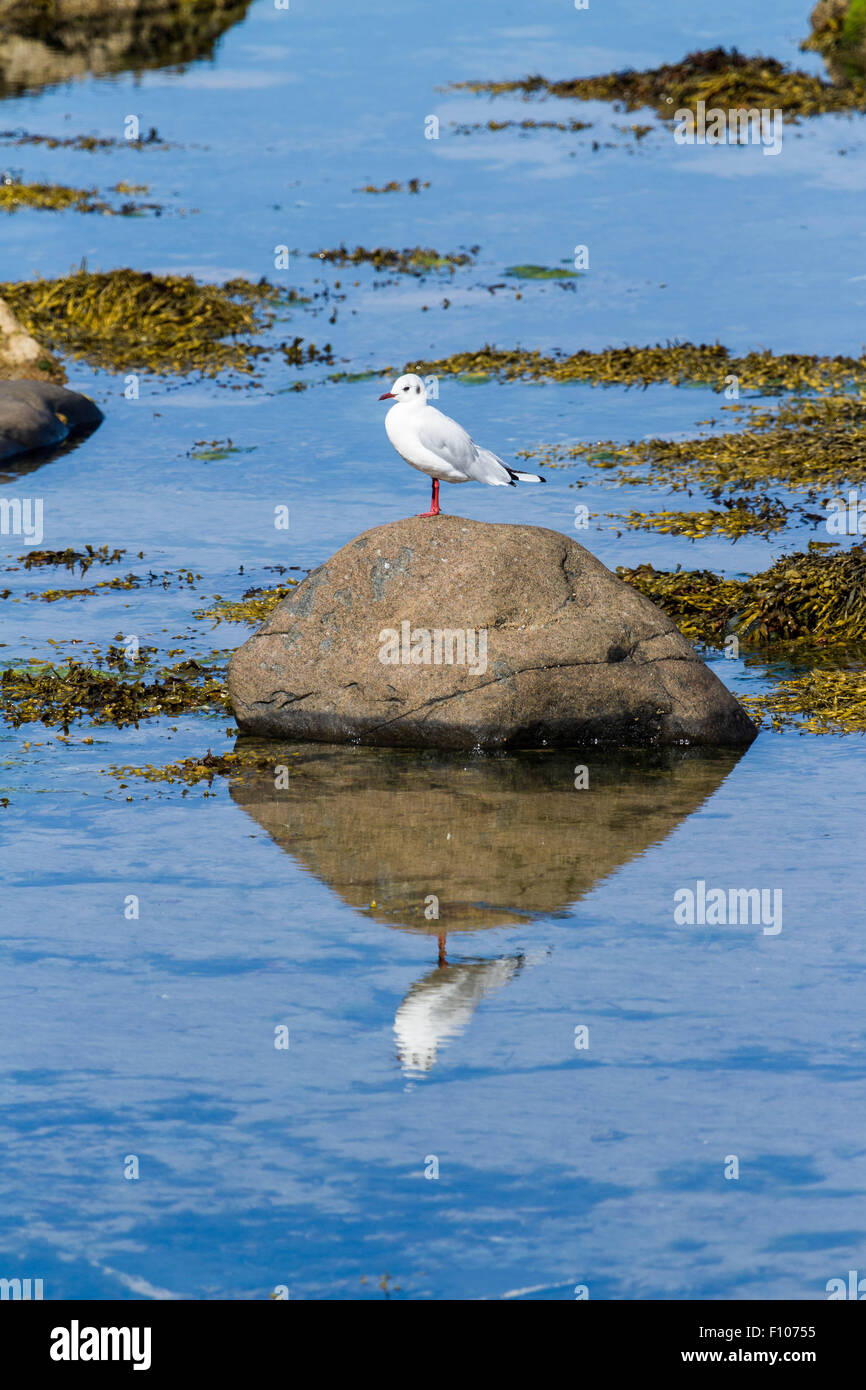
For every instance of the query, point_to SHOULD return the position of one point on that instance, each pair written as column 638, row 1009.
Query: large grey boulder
column 457, row 634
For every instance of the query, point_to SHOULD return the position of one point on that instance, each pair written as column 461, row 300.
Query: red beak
column 387, row 396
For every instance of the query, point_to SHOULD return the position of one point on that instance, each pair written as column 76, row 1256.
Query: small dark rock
column 40, row 415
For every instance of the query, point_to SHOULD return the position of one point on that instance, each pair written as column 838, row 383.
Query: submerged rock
column 457, row 634
column 41, row 415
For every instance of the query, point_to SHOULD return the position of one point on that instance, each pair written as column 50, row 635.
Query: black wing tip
column 516, row 478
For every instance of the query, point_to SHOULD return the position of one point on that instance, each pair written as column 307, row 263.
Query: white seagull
column 438, row 446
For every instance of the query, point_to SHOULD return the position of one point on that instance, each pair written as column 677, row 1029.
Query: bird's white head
column 407, row 390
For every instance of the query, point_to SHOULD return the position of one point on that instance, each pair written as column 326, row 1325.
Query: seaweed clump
column 701, row 603
column 805, row 444
column 253, row 607
column 820, row 702
column 743, row 516
column 414, row 260
column 82, row 142
column 540, row 272
column 59, row 695
column 817, row 597
column 69, row 558
column 203, row 769
column 708, row 364
column 467, row 128
column 807, row 606
column 394, row 186
column 130, row 320
column 719, row 77
column 57, row 197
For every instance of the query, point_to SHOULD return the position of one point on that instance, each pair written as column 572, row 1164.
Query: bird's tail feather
column 526, row 477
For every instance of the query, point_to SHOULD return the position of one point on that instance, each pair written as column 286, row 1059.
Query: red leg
column 442, row 961
column 434, row 501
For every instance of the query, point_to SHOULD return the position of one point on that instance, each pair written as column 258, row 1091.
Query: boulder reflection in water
column 441, row 843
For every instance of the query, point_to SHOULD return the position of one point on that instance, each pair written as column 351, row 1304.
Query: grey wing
column 443, row 436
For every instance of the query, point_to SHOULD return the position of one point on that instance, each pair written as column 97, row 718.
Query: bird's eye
column 405, row 388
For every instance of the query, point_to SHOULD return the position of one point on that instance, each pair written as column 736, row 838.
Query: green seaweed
column 854, row 24
column 414, row 260
column 540, row 272
column 839, row 35
column 215, row 450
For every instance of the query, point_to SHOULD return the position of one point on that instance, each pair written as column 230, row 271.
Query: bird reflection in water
column 439, row 1006
column 497, row 841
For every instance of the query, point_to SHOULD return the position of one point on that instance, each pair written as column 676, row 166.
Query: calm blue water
column 154, row 1036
